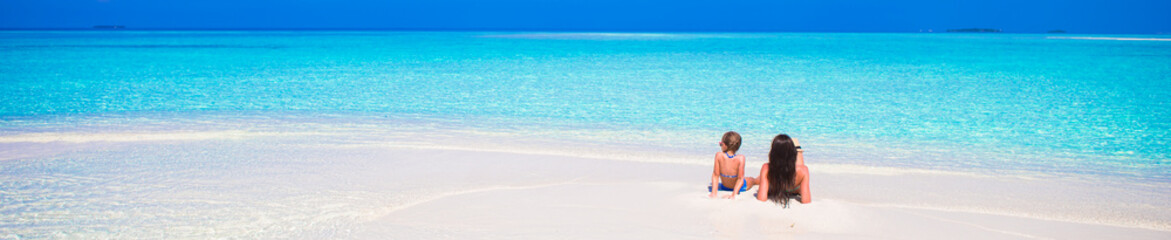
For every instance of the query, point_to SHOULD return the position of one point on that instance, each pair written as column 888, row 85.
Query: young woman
column 785, row 175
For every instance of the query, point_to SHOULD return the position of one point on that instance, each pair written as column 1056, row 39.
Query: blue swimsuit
column 743, row 187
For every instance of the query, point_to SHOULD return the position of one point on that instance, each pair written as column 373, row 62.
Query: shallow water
column 967, row 102
column 105, row 129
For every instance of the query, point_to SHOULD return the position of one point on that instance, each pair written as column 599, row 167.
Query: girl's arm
column 739, row 177
column 715, row 178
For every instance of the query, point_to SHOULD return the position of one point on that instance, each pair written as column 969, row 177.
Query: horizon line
column 520, row 30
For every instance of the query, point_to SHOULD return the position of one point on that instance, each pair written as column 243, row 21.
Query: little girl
column 728, row 174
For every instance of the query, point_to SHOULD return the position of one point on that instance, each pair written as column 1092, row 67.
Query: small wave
column 134, row 136
column 597, row 36
column 180, row 46
column 884, row 171
column 652, row 157
column 1112, row 38
column 436, row 196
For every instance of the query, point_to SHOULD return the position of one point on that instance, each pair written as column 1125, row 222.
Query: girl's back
column 728, row 172
column 730, row 168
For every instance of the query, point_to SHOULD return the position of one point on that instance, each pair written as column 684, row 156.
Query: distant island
column 109, row 27
column 1056, row 31
column 974, row 30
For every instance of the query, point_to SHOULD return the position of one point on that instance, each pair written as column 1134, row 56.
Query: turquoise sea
column 302, row 134
column 1019, row 103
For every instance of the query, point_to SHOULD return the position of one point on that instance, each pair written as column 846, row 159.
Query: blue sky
column 1077, row 16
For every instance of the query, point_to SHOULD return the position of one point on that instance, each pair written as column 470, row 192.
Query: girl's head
column 730, row 142
column 782, row 165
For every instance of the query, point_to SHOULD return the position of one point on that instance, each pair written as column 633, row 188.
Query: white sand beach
column 607, row 199
column 327, row 183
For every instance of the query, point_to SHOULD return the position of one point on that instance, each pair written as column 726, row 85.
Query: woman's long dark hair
column 782, row 165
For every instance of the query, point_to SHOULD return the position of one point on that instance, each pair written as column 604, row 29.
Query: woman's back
column 785, row 175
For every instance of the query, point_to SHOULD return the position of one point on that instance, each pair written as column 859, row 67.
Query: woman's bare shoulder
column 802, row 171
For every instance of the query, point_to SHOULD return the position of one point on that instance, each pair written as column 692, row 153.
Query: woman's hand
column 730, row 196
column 713, row 195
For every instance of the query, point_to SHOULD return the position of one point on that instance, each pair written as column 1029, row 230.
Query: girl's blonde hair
column 731, row 140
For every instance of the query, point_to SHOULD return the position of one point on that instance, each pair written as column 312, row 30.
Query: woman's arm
column 762, row 191
column 800, row 153
column 806, row 196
